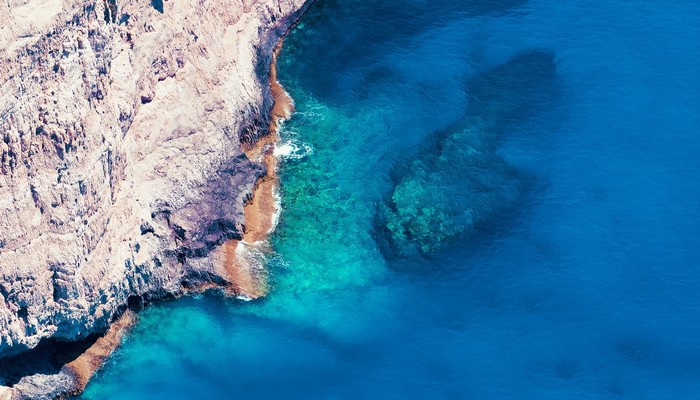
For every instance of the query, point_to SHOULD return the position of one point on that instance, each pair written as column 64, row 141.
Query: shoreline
column 72, row 379
column 247, row 277
column 86, row 365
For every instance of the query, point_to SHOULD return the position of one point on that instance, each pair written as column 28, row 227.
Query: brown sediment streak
column 246, row 280
column 85, row 366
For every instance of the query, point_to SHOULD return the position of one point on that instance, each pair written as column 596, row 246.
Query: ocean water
column 484, row 200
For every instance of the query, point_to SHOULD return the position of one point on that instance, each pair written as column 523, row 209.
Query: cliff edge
column 123, row 126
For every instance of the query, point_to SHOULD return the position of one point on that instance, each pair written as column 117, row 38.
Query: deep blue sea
column 485, row 200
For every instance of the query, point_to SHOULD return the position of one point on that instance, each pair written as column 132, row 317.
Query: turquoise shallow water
column 564, row 187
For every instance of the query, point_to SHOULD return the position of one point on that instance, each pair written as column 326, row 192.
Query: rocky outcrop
column 122, row 130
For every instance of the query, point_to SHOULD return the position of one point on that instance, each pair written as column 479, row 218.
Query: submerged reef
column 460, row 182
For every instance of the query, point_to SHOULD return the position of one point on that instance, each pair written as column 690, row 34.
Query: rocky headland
column 135, row 165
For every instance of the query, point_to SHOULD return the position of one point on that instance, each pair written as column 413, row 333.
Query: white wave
column 291, row 150
column 278, row 210
column 252, row 256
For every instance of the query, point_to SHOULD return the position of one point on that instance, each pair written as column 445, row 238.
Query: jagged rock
column 121, row 124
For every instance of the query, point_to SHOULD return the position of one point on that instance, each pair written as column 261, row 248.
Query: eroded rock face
column 121, row 167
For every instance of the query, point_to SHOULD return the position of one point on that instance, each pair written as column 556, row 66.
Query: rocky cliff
column 122, row 130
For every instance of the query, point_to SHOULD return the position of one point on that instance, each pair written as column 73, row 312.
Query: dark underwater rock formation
column 461, row 183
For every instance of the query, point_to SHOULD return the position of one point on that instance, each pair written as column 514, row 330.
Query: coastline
column 245, row 277
column 74, row 376
column 85, row 366
column 248, row 278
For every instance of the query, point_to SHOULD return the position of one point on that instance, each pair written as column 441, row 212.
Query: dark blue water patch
column 158, row 5
column 360, row 40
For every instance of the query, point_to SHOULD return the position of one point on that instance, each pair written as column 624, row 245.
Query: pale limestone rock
column 120, row 158
column 5, row 393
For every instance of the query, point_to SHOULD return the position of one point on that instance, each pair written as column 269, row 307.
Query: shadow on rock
column 460, row 183
column 46, row 359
